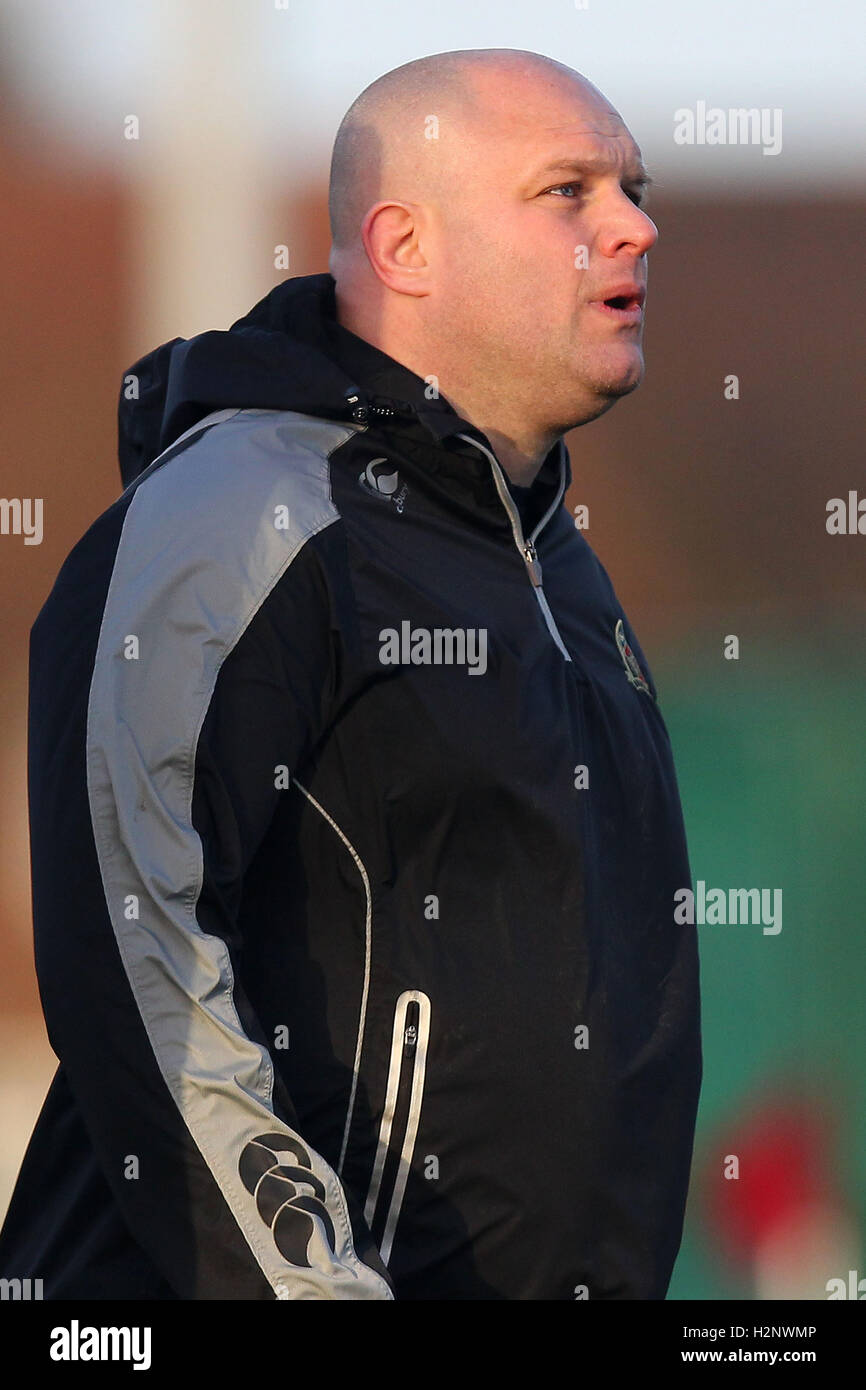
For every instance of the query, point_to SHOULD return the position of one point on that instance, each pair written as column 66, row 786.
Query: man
column 355, row 826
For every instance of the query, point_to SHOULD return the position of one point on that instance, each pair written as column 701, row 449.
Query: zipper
column 404, row 1092
column 363, row 410
column 526, row 546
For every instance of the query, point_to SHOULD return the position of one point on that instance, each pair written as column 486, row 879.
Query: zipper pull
column 533, row 564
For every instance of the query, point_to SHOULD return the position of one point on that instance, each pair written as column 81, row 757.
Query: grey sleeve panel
column 207, row 535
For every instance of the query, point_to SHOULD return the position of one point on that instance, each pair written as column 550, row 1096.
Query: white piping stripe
column 367, row 956
column 419, row 1067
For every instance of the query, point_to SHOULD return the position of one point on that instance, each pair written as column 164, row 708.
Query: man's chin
column 620, row 379
column 602, row 389
column 606, row 390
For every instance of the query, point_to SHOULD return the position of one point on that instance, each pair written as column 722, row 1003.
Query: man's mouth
column 624, row 305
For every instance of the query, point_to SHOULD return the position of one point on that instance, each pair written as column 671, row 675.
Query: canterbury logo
column 276, row 1169
column 381, row 477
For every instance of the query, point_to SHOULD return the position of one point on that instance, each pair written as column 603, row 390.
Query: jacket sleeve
column 213, row 666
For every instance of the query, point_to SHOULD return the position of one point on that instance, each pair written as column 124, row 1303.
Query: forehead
column 528, row 127
column 587, row 150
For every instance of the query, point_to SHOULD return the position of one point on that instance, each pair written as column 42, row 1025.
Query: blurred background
column 154, row 156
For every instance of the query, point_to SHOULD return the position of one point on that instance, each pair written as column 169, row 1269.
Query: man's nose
column 628, row 226
column 650, row 233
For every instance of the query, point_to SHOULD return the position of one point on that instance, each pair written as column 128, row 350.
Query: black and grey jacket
column 355, row 840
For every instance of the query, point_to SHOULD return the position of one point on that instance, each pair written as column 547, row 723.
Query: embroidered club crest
column 629, row 660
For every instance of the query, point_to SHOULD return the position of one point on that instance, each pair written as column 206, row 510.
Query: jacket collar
column 290, row 353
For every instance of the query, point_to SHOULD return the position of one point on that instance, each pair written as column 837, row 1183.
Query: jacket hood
column 276, row 357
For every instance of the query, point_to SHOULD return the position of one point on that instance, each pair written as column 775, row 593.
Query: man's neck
column 520, row 450
column 520, row 460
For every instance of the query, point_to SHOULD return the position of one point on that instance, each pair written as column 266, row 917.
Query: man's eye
column 555, row 189
column 636, row 195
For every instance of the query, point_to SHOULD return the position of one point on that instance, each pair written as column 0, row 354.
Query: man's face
column 546, row 227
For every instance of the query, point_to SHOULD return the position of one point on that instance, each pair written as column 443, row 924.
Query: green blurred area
column 771, row 761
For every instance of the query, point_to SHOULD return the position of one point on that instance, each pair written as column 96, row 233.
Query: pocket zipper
column 406, row 1070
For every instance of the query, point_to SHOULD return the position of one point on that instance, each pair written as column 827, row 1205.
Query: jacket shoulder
column 243, row 463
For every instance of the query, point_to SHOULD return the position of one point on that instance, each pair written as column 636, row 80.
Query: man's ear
column 394, row 240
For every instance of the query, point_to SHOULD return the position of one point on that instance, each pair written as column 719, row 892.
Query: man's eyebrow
column 588, row 164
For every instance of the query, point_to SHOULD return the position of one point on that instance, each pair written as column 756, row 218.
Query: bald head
column 380, row 149
column 408, row 136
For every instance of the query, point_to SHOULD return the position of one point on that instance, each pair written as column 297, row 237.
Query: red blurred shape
column 786, row 1168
